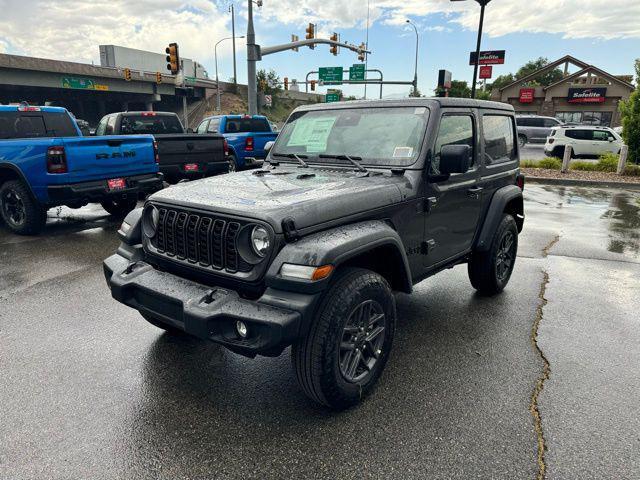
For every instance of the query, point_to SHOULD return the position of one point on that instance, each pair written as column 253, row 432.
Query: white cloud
column 72, row 30
column 571, row 18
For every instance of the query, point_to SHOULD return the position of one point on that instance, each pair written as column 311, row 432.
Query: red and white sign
column 587, row 95
column 486, row 71
column 527, row 95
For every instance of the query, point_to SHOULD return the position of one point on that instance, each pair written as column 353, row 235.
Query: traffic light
column 311, row 33
column 127, row 74
column 173, row 58
column 286, row 83
column 334, row 48
column 361, row 54
column 295, row 38
column 313, row 85
column 158, row 78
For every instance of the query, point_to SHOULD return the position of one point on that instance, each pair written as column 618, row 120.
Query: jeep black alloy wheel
column 339, row 360
column 490, row 271
column 362, row 340
column 505, row 257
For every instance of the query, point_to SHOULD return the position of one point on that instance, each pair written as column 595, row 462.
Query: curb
column 570, row 182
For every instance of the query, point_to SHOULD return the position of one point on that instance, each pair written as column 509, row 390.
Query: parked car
column 534, row 129
column 585, row 141
column 360, row 200
column 182, row 155
column 45, row 162
column 246, row 136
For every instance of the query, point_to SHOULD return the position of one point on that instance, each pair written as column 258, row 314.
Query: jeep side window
column 454, row 130
column 498, row 137
column 601, row 135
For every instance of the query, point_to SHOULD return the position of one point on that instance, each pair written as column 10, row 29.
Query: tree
column 459, row 89
column 545, row 79
column 268, row 82
column 415, row 92
column 630, row 111
column 502, row 81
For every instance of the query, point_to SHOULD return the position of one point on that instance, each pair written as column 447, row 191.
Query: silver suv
column 534, row 129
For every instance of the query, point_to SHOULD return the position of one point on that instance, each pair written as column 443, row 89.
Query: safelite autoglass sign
column 587, row 95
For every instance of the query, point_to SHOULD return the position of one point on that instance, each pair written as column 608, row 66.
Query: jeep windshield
column 378, row 136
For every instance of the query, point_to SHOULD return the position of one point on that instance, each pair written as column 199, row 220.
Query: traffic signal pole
column 255, row 54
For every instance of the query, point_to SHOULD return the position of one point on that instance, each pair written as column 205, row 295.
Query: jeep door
column 453, row 203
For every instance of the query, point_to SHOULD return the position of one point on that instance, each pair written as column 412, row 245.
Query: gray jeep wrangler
column 356, row 201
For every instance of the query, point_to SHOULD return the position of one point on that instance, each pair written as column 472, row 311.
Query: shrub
column 551, row 163
column 608, row 162
column 632, row 170
column 631, row 120
column 584, row 166
column 529, row 164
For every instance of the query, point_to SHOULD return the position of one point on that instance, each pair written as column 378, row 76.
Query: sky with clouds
column 605, row 33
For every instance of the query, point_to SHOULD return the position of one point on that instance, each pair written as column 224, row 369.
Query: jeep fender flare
column 342, row 245
column 507, row 199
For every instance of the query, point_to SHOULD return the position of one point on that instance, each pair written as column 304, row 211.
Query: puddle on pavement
column 618, row 211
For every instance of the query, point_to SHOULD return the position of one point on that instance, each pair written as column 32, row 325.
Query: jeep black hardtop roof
column 418, row 102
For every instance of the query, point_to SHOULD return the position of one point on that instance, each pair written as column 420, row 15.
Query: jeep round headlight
column 260, row 241
column 150, row 218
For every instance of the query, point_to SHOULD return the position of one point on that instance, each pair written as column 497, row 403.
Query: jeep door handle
column 474, row 192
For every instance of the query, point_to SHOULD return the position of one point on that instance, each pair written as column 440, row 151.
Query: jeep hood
column 308, row 195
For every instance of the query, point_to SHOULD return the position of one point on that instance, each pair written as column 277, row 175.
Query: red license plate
column 191, row 167
column 117, row 183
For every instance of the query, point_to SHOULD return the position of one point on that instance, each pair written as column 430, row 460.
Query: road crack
column 547, row 249
column 546, row 371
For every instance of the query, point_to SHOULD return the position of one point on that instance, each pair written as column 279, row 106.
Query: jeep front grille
column 205, row 240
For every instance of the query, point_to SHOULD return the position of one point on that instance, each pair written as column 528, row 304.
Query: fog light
column 241, row 328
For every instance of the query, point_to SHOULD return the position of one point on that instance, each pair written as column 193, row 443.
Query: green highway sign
column 82, row 84
column 330, row 74
column 79, row 83
column 356, row 72
column 333, row 95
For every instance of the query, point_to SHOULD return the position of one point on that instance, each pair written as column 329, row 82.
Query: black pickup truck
column 182, row 155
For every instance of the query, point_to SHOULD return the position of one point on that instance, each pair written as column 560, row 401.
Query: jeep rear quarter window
column 579, row 134
column 35, row 125
column 390, row 136
column 498, row 137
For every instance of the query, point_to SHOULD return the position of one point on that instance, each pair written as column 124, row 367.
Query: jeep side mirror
column 455, row 159
column 268, row 146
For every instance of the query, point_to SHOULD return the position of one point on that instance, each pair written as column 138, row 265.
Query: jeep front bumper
column 273, row 321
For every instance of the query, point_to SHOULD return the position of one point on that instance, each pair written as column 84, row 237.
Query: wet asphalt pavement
column 90, row 390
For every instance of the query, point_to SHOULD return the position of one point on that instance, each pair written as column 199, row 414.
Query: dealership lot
column 90, row 390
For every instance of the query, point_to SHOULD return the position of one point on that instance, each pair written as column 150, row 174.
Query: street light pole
column 415, row 74
column 215, row 54
column 252, row 55
column 233, row 34
column 483, row 3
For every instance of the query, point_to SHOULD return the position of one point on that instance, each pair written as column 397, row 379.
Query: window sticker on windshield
column 312, row 134
column 420, row 110
column 402, row 152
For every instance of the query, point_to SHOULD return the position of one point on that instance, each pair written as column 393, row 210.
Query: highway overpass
column 91, row 91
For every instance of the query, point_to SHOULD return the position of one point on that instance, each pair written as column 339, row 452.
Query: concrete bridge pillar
column 149, row 106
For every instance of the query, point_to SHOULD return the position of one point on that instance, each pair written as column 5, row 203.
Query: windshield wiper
column 353, row 160
column 299, row 158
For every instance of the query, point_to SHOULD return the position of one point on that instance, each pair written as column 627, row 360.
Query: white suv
column 585, row 141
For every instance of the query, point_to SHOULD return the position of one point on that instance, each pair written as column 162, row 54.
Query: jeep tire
column 119, row 208
column 339, row 360
column 19, row 210
column 489, row 271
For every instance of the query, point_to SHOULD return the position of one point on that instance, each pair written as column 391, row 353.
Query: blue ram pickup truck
column 46, row 162
column 246, row 137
